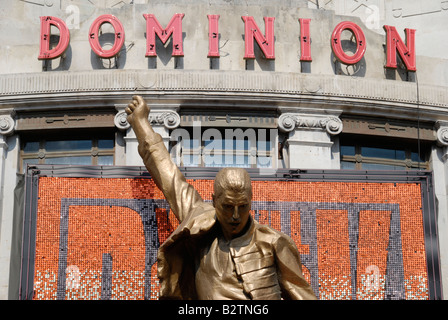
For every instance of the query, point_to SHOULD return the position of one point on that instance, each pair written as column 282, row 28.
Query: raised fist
column 137, row 110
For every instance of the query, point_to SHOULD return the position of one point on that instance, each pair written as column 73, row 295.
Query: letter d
column 45, row 33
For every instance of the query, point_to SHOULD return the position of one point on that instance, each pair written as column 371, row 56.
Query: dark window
column 382, row 154
column 68, row 150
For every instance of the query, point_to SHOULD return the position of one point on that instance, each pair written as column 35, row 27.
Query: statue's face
column 232, row 211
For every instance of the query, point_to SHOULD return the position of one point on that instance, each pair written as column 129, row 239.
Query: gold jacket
column 195, row 262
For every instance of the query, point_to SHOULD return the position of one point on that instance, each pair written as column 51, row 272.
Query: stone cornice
column 349, row 94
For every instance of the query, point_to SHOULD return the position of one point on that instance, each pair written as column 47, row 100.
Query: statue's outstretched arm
column 181, row 196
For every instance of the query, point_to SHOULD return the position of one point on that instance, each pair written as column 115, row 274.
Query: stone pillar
column 311, row 142
column 162, row 120
column 439, row 166
column 8, row 178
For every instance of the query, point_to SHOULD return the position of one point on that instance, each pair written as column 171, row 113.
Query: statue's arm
column 289, row 268
column 181, row 196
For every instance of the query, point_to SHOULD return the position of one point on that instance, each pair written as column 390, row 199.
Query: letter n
column 266, row 42
column 45, row 52
column 406, row 51
column 174, row 27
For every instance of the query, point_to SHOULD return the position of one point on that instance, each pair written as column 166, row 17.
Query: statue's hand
column 137, row 110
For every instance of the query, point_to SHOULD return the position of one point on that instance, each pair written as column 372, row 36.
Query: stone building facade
column 217, row 70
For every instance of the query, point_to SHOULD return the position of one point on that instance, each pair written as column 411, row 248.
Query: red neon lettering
column 174, row 27
column 406, row 51
column 45, row 33
column 305, row 40
column 213, row 36
column 266, row 42
column 360, row 42
column 119, row 36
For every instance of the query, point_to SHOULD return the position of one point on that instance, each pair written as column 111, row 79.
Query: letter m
column 406, row 51
column 251, row 32
column 174, row 28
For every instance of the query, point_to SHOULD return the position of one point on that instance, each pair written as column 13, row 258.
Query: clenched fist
column 137, row 110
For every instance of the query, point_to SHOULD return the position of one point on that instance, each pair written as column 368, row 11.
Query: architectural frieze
column 20, row 88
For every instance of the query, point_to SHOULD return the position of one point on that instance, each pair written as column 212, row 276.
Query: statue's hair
column 233, row 179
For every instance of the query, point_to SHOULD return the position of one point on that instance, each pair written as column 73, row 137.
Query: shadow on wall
column 107, row 41
column 264, row 64
column 164, row 54
column 401, row 71
column 358, row 69
column 62, row 63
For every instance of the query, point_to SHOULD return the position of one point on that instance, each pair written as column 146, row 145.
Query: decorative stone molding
column 442, row 133
column 442, row 138
column 169, row 119
column 377, row 95
column 7, row 122
column 287, row 122
column 121, row 118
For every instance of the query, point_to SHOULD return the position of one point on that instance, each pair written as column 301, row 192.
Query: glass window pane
column 383, row 153
column 241, row 144
column 105, row 144
column 190, row 160
column 82, row 160
column 231, row 144
column 241, row 161
column 190, row 144
column 228, row 144
column 29, row 161
column 376, row 166
column 415, row 157
column 263, row 145
column 214, row 144
column 264, row 162
column 68, row 145
column 348, row 150
column 226, row 160
column 31, row 147
column 212, row 160
column 106, row 160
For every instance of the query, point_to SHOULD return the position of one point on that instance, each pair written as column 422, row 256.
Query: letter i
column 213, row 36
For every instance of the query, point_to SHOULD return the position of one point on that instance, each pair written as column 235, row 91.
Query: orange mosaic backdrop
column 90, row 229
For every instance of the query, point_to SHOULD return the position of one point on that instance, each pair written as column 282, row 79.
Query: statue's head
column 232, row 200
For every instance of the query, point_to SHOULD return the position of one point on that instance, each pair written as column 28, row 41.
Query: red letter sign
column 213, row 36
column 45, row 33
column 360, row 42
column 305, row 40
column 252, row 31
column 119, row 36
column 174, row 27
column 394, row 44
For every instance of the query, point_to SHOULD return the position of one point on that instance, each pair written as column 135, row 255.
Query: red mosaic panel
column 93, row 230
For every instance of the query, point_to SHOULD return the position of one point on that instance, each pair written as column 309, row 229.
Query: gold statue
column 218, row 251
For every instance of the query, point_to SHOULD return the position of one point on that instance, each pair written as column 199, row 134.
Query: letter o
column 119, row 36
column 360, row 42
